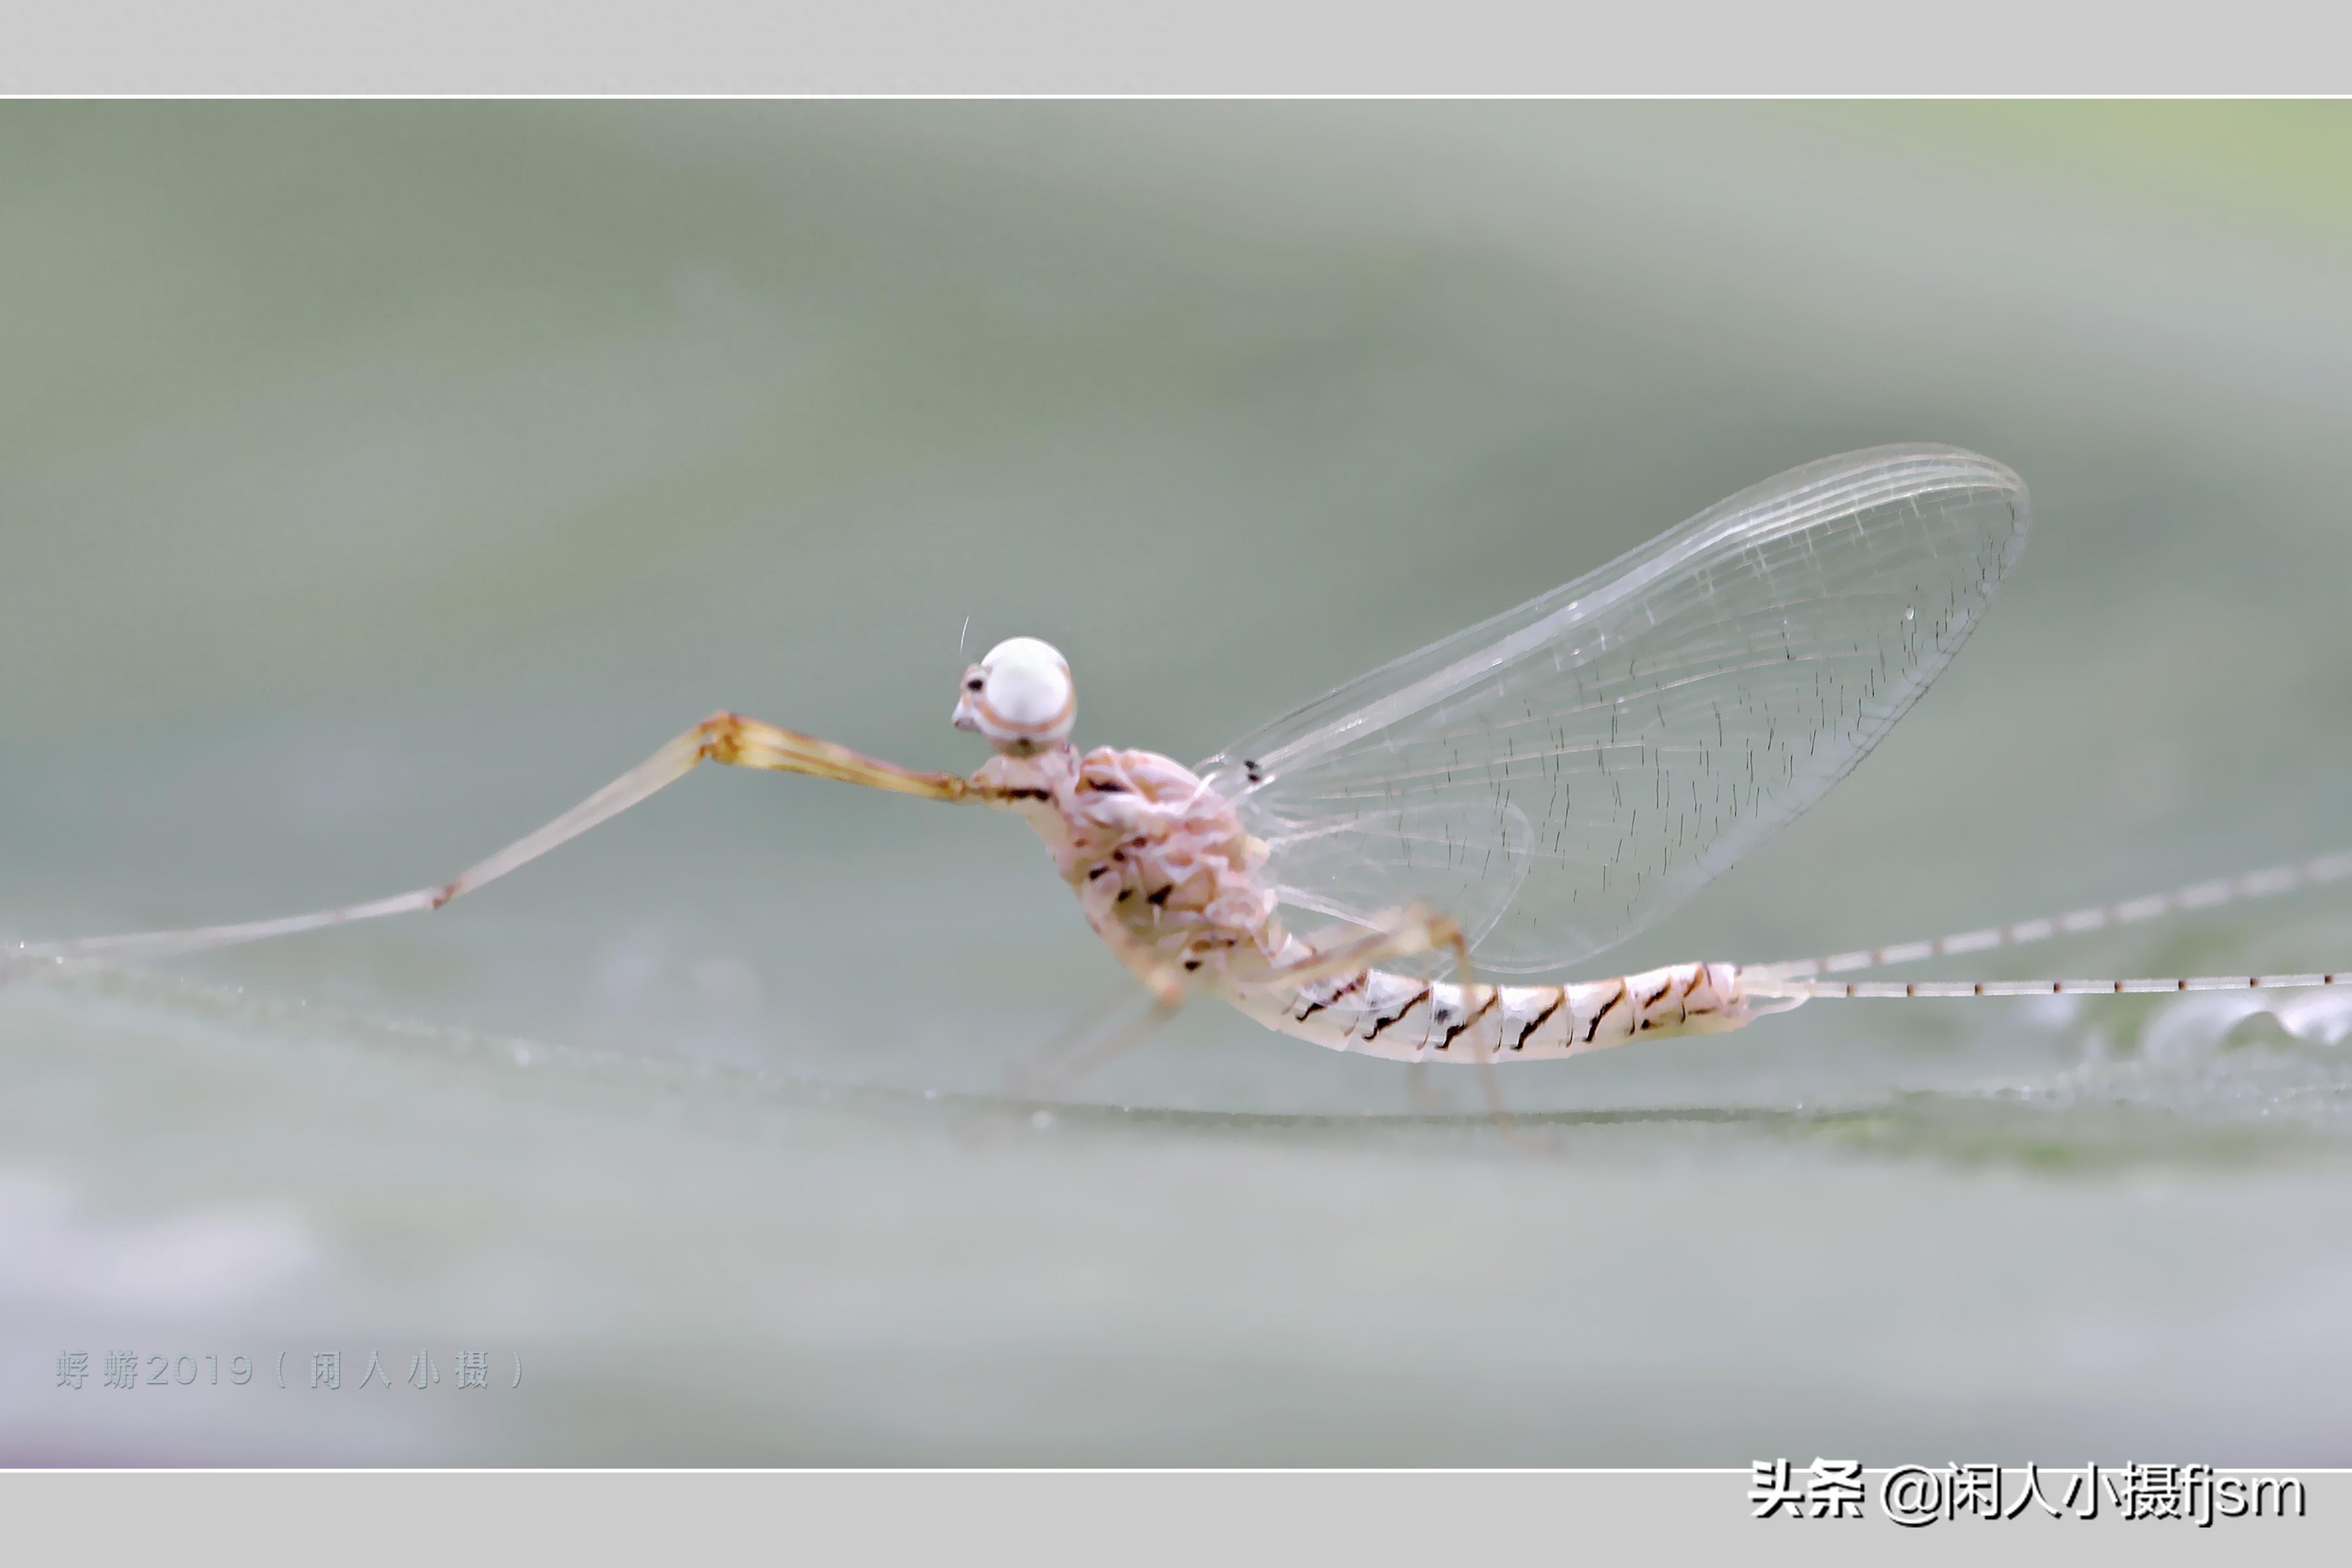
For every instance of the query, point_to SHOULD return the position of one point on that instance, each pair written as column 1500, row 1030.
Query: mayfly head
column 1020, row 696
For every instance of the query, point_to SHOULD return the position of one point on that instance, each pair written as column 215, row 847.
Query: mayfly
column 1517, row 797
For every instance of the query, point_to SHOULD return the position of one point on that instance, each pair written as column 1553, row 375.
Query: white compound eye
column 1019, row 695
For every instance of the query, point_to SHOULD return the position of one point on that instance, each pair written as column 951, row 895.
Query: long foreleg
column 727, row 738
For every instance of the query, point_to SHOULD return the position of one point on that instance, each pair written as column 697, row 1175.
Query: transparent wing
column 1563, row 774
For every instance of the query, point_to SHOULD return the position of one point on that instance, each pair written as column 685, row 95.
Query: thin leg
column 726, row 738
column 1159, row 972
column 1482, row 1048
column 1415, row 929
column 1089, row 1040
column 1427, row 1101
column 1096, row 1037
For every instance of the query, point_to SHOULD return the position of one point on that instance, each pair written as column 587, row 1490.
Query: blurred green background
column 376, row 480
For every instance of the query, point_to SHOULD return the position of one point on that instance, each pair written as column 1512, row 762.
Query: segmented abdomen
column 1375, row 1012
